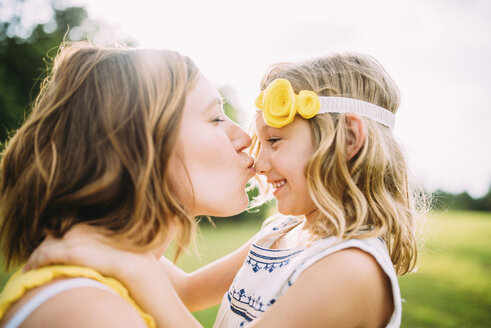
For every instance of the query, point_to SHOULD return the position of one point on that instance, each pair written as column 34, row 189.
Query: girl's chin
column 288, row 211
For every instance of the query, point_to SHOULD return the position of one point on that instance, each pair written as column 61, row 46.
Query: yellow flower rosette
column 279, row 100
column 308, row 104
column 259, row 100
column 280, row 104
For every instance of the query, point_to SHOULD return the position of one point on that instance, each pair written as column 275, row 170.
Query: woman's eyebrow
column 216, row 101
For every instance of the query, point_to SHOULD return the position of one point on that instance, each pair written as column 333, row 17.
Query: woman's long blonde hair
column 96, row 149
column 370, row 195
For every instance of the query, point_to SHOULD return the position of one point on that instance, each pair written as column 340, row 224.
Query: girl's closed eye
column 272, row 140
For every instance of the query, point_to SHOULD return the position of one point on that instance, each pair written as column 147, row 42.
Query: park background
column 438, row 52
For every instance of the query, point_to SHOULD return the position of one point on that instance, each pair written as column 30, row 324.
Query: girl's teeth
column 276, row 185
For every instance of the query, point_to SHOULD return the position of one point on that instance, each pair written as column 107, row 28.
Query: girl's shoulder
column 358, row 261
column 351, row 280
column 373, row 246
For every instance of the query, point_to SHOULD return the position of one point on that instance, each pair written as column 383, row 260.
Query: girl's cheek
column 275, row 160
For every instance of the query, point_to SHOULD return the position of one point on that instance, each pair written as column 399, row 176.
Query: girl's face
column 283, row 156
column 210, row 163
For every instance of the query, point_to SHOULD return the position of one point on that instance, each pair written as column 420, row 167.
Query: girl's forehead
column 263, row 128
column 258, row 119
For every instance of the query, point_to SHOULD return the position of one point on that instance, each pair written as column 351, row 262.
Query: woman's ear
column 355, row 135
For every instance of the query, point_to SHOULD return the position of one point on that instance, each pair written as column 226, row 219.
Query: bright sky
column 438, row 52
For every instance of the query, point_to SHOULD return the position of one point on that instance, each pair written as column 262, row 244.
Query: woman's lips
column 251, row 172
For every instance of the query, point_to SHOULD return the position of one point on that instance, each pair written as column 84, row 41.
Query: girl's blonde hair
column 96, row 150
column 369, row 195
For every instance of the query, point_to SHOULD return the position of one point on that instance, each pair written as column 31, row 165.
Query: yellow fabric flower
column 308, row 104
column 280, row 104
column 279, row 107
column 259, row 100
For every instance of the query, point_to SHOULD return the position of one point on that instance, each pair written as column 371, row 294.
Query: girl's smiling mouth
column 277, row 185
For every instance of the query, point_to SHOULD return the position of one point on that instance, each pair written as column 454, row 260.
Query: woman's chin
column 228, row 206
column 232, row 210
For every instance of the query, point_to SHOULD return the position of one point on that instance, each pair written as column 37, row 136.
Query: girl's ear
column 355, row 135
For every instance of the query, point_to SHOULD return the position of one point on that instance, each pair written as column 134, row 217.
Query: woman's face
column 210, row 163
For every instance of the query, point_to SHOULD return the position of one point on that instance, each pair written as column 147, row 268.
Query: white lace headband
column 280, row 104
column 349, row 105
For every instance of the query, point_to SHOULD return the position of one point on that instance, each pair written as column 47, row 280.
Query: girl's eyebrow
column 269, row 129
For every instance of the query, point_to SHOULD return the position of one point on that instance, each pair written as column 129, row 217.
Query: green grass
column 452, row 287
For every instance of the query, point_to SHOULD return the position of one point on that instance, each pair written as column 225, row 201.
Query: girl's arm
column 83, row 246
column 206, row 286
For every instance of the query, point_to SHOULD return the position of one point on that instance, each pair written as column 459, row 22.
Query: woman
column 122, row 143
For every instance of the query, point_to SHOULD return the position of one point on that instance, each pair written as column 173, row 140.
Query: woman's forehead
column 202, row 97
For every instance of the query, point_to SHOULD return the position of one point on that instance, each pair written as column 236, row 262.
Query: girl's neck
column 310, row 219
column 296, row 236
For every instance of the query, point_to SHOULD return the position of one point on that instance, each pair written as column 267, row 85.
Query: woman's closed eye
column 218, row 119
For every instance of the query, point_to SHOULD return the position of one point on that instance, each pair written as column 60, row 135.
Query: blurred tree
column 484, row 203
column 30, row 34
column 443, row 200
column 229, row 106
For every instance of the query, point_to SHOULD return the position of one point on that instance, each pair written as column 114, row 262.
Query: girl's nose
column 262, row 165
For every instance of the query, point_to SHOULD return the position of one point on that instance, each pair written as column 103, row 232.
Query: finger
column 34, row 259
column 50, row 237
column 43, row 255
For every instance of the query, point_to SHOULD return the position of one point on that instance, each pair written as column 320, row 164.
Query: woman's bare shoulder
column 79, row 308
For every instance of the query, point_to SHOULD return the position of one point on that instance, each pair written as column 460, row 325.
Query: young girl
column 324, row 142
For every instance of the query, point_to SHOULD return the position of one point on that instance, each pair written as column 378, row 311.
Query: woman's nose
column 240, row 138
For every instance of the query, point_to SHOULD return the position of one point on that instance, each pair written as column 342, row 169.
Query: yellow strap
column 20, row 283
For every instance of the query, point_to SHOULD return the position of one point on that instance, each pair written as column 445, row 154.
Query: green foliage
column 443, row 200
column 24, row 62
column 26, row 53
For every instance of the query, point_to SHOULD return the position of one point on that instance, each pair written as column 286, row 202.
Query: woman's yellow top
column 21, row 282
